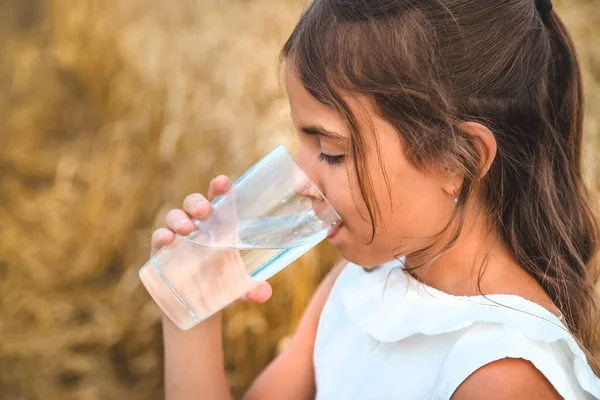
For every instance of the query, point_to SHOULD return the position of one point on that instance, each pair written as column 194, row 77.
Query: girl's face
column 417, row 205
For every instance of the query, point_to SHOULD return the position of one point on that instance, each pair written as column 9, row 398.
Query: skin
column 417, row 206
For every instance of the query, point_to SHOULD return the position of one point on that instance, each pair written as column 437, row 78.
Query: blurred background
column 111, row 111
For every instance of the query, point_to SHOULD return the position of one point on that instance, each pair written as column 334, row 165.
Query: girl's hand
column 179, row 221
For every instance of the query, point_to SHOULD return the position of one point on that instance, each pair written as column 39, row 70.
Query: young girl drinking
column 447, row 134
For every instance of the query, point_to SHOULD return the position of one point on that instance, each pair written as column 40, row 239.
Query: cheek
column 420, row 208
column 337, row 190
column 415, row 207
column 345, row 196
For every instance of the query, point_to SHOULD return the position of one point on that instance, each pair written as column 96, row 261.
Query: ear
column 486, row 146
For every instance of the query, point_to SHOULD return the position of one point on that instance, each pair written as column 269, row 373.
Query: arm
column 509, row 378
column 194, row 361
column 291, row 375
column 194, row 366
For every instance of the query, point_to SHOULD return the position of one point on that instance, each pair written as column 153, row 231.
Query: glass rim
column 314, row 185
column 289, row 156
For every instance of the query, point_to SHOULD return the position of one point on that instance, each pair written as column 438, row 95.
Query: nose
column 309, row 162
column 304, row 187
column 306, row 184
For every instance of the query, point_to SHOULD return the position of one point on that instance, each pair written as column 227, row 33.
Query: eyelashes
column 331, row 160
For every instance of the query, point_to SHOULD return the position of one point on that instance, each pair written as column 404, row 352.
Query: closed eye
column 332, row 160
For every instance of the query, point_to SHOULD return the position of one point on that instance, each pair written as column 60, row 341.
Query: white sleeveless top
column 385, row 335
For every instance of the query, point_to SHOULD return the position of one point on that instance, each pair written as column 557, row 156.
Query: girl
column 447, row 134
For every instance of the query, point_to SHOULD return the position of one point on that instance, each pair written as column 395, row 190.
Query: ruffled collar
column 384, row 300
column 390, row 305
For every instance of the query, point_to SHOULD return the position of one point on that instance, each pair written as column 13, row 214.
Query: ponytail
column 565, row 90
column 568, row 273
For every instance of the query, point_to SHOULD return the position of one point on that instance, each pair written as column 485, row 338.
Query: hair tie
column 543, row 6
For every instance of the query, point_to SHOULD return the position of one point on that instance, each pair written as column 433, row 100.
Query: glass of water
column 269, row 217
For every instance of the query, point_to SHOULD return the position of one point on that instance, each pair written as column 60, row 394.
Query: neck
column 481, row 262
column 474, row 263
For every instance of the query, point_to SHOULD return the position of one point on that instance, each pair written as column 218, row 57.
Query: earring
column 454, row 193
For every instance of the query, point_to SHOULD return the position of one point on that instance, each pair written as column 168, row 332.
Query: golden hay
column 113, row 111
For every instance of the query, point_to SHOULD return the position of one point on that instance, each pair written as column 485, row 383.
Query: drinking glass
column 267, row 219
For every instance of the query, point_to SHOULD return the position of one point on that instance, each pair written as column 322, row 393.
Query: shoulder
column 307, row 328
column 322, row 292
column 508, row 360
column 305, row 335
column 509, row 378
column 292, row 371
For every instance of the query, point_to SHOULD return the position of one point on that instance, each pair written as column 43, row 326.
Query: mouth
column 334, row 230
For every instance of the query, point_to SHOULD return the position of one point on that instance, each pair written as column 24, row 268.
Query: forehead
column 306, row 109
column 299, row 97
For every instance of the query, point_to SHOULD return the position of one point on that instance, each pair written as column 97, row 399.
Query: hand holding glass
column 269, row 217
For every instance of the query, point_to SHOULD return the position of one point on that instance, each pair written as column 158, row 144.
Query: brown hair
column 430, row 65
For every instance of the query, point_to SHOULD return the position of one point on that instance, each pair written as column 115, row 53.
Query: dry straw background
column 111, row 112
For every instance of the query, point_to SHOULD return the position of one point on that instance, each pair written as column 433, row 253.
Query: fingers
column 194, row 206
column 160, row 238
column 179, row 222
column 197, row 206
column 218, row 187
column 261, row 293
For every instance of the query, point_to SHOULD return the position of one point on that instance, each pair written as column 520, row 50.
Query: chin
column 353, row 254
column 363, row 255
column 357, row 251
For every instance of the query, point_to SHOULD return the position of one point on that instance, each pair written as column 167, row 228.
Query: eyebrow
column 316, row 130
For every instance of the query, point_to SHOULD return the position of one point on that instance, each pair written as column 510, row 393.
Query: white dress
column 385, row 335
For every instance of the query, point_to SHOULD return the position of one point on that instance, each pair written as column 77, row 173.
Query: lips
column 334, row 230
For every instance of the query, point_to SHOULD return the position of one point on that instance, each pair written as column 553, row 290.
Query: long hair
column 430, row 65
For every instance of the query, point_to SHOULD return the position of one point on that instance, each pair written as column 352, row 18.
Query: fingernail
column 200, row 204
column 182, row 222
